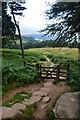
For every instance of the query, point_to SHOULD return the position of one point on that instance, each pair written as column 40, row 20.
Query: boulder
column 68, row 105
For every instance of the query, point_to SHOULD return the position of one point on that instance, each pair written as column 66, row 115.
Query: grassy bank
column 16, row 75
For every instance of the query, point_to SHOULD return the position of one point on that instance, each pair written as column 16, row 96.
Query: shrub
column 73, row 80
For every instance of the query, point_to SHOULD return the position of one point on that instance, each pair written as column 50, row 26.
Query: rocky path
column 51, row 91
column 43, row 94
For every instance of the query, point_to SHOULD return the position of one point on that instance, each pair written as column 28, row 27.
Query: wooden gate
column 55, row 72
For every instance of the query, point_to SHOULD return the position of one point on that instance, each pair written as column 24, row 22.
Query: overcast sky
column 34, row 18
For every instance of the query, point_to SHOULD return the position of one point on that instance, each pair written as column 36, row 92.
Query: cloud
column 34, row 14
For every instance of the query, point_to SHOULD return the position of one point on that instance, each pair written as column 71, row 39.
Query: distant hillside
column 29, row 39
column 39, row 36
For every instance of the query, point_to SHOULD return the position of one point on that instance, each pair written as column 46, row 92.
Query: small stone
column 46, row 99
column 32, row 100
column 36, row 98
column 38, row 115
column 25, row 100
column 44, row 106
column 19, row 106
column 39, row 93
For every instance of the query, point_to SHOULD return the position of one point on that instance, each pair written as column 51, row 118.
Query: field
column 16, row 75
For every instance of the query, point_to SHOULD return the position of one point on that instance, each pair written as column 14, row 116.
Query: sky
column 34, row 16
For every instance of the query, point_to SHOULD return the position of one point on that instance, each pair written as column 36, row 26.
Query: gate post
column 58, row 71
column 37, row 67
column 40, row 71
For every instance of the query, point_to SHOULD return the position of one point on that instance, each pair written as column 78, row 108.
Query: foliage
column 56, row 81
column 8, row 27
column 17, row 98
column 14, row 73
column 73, row 80
column 67, row 18
column 29, row 42
column 50, row 114
column 64, row 59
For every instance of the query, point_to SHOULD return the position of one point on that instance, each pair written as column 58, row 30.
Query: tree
column 65, row 23
column 16, row 9
column 8, row 27
column 65, row 20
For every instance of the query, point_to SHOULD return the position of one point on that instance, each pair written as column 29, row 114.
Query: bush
column 64, row 59
column 73, row 80
column 21, row 75
column 49, row 55
column 42, row 59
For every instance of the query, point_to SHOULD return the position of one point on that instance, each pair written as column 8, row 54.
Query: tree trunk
column 20, row 37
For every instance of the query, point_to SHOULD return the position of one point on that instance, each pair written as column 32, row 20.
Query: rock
column 32, row 100
column 6, row 112
column 46, row 99
column 68, row 105
column 19, row 106
column 0, row 113
column 9, row 113
column 39, row 93
column 44, row 106
column 25, row 100
column 24, row 95
column 48, row 85
column 43, row 89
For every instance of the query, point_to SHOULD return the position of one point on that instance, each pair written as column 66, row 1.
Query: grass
column 17, row 98
column 28, row 112
column 50, row 114
column 16, row 75
column 14, row 71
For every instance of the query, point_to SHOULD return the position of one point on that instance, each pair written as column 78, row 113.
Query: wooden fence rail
column 55, row 72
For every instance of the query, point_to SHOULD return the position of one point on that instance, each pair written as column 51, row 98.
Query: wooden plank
column 49, row 74
column 62, row 71
column 49, row 67
column 48, row 77
column 48, row 71
column 31, row 65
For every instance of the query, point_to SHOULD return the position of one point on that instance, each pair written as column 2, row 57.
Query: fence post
column 40, row 71
column 37, row 67
column 58, row 71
